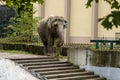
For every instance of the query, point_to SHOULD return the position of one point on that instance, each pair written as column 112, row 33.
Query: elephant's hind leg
column 45, row 47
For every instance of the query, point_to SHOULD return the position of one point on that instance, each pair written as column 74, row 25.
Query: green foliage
column 5, row 15
column 114, row 4
column 113, row 18
column 22, row 5
column 58, row 49
column 22, row 28
column 88, row 4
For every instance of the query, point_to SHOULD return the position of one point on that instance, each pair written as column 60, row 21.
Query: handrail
column 105, row 41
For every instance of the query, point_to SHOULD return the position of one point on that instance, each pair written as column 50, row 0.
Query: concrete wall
column 108, row 72
column 99, row 62
column 78, row 56
column 95, row 58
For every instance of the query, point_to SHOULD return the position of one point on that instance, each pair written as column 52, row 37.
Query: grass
column 14, row 51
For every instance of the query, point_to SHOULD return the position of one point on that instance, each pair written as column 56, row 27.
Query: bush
column 21, row 29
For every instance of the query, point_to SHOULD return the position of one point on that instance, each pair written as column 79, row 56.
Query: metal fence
column 92, row 46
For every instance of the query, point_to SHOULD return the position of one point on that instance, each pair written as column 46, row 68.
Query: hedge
column 34, row 48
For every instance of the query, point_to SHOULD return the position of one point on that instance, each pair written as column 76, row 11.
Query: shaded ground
column 17, row 55
column 10, row 71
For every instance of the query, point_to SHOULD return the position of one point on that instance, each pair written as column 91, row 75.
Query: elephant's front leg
column 50, row 47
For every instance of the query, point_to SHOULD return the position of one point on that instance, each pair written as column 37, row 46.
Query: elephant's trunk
column 61, row 38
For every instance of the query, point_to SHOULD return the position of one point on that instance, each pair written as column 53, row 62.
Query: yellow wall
column 104, row 9
column 80, row 24
column 80, row 18
column 36, row 9
column 54, row 7
column 0, row 3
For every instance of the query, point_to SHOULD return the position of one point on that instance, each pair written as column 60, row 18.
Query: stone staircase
column 49, row 68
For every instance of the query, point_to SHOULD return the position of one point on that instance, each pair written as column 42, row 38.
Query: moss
column 105, row 58
column 15, row 51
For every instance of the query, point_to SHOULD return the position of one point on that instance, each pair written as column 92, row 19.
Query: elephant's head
column 57, row 24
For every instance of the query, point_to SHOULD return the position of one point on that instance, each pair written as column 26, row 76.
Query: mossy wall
column 105, row 58
column 35, row 49
column 80, row 56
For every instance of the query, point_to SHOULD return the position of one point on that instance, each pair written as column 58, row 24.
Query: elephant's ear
column 49, row 22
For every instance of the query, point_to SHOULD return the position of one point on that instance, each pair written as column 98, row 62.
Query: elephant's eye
column 64, row 26
column 65, row 21
column 55, row 24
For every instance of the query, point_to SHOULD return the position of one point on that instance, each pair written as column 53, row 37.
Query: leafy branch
column 113, row 18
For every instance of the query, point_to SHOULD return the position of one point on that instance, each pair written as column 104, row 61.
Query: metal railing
column 91, row 46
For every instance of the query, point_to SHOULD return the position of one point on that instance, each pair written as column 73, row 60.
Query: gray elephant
column 50, row 29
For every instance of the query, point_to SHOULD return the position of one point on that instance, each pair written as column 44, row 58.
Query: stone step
column 95, row 79
column 80, row 77
column 36, row 60
column 68, row 74
column 61, row 71
column 47, row 66
column 32, row 58
column 44, row 63
column 54, row 68
column 72, row 78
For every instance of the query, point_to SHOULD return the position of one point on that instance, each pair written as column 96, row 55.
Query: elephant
column 50, row 29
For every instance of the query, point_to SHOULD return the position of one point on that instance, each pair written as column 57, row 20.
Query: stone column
column 42, row 10
column 67, row 16
column 94, row 26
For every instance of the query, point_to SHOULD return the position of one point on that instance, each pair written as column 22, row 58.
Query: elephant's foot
column 49, row 54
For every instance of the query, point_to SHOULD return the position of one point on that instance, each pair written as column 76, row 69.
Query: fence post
column 97, row 44
column 111, row 45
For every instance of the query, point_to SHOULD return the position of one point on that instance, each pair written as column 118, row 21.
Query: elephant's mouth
column 59, row 42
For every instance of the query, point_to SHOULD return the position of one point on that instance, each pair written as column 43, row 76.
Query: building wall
column 80, row 21
column 83, row 25
column 80, row 24
column 2, row 3
column 36, row 9
column 54, row 7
